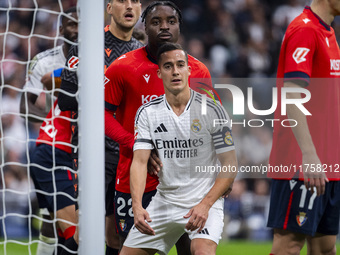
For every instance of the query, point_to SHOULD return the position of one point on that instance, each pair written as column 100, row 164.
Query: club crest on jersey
column 196, row 126
column 300, row 54
column 301, row 218
column 228, row 139
column 73, row 62
column 122, row 225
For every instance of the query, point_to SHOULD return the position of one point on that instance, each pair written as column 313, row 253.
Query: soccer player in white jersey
column 189, row 198
column 45, row 66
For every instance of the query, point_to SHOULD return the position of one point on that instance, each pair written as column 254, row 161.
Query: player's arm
column 304, row 139
column 114, row 94
column 52, row 80
column 34, row 112
column 68, row 101
column 29, row 103
column 138, row 173
column 116, row 132
column 199, row 214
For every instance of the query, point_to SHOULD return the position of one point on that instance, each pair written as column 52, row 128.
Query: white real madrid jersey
column 187, row 145
column 42, row 63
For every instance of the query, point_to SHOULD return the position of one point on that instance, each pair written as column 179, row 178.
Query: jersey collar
column 192, row 96
column 320, row 20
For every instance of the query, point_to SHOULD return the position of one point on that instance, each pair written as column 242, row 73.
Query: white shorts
column 169, row 225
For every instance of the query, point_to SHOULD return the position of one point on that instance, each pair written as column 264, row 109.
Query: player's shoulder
column 304, row 24
column 198, row 69
column 130, row 57
column 192, row 61
column 151, row 107
column 73, row 51
column 136, row 44
column 212, row 105
column 154, row 103
column 49, row 53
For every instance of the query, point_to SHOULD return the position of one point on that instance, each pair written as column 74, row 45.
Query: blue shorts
column 294, row 208
column 110, row 187
column 50, row 178
column 123, row 210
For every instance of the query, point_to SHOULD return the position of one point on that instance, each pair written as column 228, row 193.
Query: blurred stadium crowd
column 234, row 38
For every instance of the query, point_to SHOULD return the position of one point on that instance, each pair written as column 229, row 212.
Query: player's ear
column 61, row 29
column 189, row 70
column 109, row 8
column 159, row 73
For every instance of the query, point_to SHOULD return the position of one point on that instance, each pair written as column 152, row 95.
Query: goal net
column 28, row 28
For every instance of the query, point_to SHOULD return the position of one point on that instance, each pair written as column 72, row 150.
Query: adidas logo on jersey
column 161, row 129
column 204, row 231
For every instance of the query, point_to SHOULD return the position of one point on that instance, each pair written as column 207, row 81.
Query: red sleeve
column 116, row 132
column 300, row 48
column 114, row 88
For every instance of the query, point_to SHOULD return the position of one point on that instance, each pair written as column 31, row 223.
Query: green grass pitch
column 230, row 248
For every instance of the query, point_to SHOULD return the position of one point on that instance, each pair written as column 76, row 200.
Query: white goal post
column 91, row 127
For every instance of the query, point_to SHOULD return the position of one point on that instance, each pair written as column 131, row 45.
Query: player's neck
column 179, row 101
column 120, row 33
column 323, row 11
column 152, row 50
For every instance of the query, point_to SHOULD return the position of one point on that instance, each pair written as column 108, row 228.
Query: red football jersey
column 310, row 53
column 56, row 129
column 131, row 81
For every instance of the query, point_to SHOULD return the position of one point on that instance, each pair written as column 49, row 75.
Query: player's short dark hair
column 64, row 16
column 169, row 47
column 164, row 3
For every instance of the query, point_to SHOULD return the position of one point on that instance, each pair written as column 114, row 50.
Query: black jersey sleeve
column 65, row 101
column 67, row 98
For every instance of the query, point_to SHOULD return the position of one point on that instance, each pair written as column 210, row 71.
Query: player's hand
column 226, row 194
column 198, row 216
column 314, row 177
column 141, row 217
column 154, row 163
column 47, row 79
